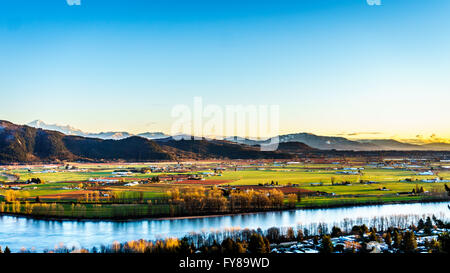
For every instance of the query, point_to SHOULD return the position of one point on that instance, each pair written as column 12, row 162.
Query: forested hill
column 203, row 148
column 21, row 143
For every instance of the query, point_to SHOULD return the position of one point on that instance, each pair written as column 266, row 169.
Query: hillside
column 327, row 143
column 390, row 144
column 437, row 146
column 344, row 144
column 295, row 147
column 27, row 144
column 215, row 149
column 130, row 149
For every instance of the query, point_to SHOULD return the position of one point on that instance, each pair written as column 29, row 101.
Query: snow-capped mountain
column 69, row 130
column 65, row 129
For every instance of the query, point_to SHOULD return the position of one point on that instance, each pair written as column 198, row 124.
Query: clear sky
column 333, row 66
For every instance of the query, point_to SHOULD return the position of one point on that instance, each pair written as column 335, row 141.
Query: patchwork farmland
column 163, row 189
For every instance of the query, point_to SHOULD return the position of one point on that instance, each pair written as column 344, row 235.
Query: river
column 39, row 235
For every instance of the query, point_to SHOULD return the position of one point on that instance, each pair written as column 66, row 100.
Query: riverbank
column 298, row 208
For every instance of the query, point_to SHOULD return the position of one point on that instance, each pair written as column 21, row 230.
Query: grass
column 393, row 180
column 338, row 201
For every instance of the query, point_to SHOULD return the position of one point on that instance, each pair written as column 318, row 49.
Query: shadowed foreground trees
column 326, row 245
column 409, row 243
column 237, row 241
column 256, row 244
column 444, row 242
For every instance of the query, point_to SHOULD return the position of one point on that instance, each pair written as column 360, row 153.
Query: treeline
column 114, row 197
column 235, row 241
column 43, row 209
column 84, row 211
column 198, row 200
column 255, row 243
column 12, row 196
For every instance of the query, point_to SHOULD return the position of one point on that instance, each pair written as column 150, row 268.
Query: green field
column 66, row 186
column 391, row 179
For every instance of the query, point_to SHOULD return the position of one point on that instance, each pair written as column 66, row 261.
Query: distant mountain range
column 22, row 143
column 327, row 143
column 340, row 143
column 69, row 130
column 310, row 140
column 390, row 144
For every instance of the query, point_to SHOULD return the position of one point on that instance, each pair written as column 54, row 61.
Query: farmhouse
column 346, row 172
column 131, row 184
column 426, row 173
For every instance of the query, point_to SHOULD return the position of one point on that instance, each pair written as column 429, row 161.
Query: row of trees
column 256, row 244
column 118, row 197
column 418, row 190
column 197, row 199
column 12, row 195
column 43, row 209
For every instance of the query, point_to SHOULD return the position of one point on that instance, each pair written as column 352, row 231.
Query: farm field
column 307, row 179
column 146, row 188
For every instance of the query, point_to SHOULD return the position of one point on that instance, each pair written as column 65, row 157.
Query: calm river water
column 21, row 232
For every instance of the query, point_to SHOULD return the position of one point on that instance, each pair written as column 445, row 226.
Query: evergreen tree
column 300, row 236
column 257, row 244
column 447, row 189
column 315, row 240
column 444, row 242
column 240, row 248
column 266, row 245
column 290, row 236
column 184, row 247
column 421, row 224
column 364, row 228
column 388, row 239
column 397, row 239
column 215, row 248
column 299, row 197
column 409, row 243
column 336, row 232
column 326, row 245
column 428, row 226
column 373, row 235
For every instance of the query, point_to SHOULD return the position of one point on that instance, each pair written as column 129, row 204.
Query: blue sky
column 333, row 66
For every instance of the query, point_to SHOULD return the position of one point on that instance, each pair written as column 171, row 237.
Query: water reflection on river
column 18, row 232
